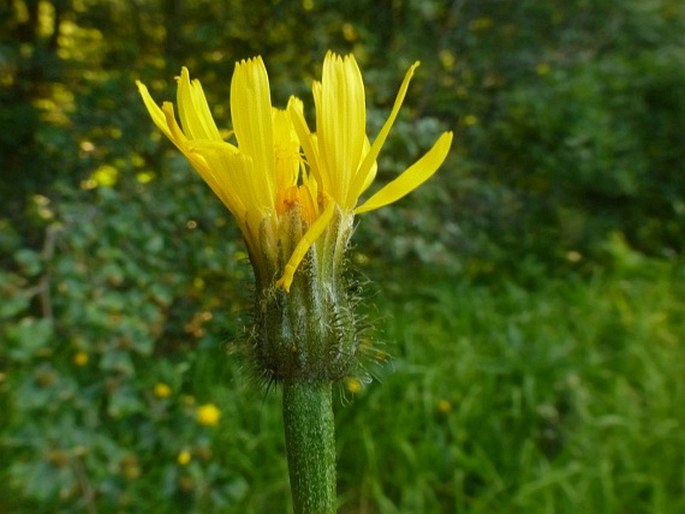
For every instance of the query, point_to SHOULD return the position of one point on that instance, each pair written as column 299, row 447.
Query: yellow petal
column 308, row 239
column 412, row 177
column 252, row 119
column 196, row 118
column 155, row 111
column 216, row 171
column 205, row 144
column 164, row 119
column 309, row 145
column 341, row 122
column 242, row 182
column 362, row 175
column 287, row 147
column 369, row 176
column 175, row 133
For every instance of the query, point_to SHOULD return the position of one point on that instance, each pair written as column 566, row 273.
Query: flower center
column 297, row 197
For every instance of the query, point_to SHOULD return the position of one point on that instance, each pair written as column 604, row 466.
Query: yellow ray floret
column 411, row 178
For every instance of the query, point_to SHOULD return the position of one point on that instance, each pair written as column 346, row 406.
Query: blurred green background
column 531, row 295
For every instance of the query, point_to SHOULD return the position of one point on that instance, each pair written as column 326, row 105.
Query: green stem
column 310, row 444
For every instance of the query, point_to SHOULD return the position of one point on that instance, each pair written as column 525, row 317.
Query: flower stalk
column 310, row 445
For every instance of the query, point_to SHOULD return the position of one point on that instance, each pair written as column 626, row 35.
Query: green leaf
column 30, row 261
column 29, row 338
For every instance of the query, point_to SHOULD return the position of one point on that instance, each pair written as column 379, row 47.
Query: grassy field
column 563, row 397
column 537, row 395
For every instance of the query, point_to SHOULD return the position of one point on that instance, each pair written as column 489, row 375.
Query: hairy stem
column 310, row 444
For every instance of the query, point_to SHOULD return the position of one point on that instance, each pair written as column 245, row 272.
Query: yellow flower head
column 162, row 390
column 262, row 179
column 81, row 358
column 444, row 406
column 258, row 176
column 183, row 458
column 208, row 415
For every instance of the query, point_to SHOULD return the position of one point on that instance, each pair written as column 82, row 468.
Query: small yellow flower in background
column 444, row 406
column 145, row 177
column 81, row 358
column 130, row 467
column 543, row 69
column 470, row 120
column 447, row 59
column 574, row 256
column 208, row 415
column 183, row 458
column 162, row 390
column 105, row 176
column 349, row 32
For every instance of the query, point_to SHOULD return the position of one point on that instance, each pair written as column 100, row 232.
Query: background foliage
column 531, row 294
